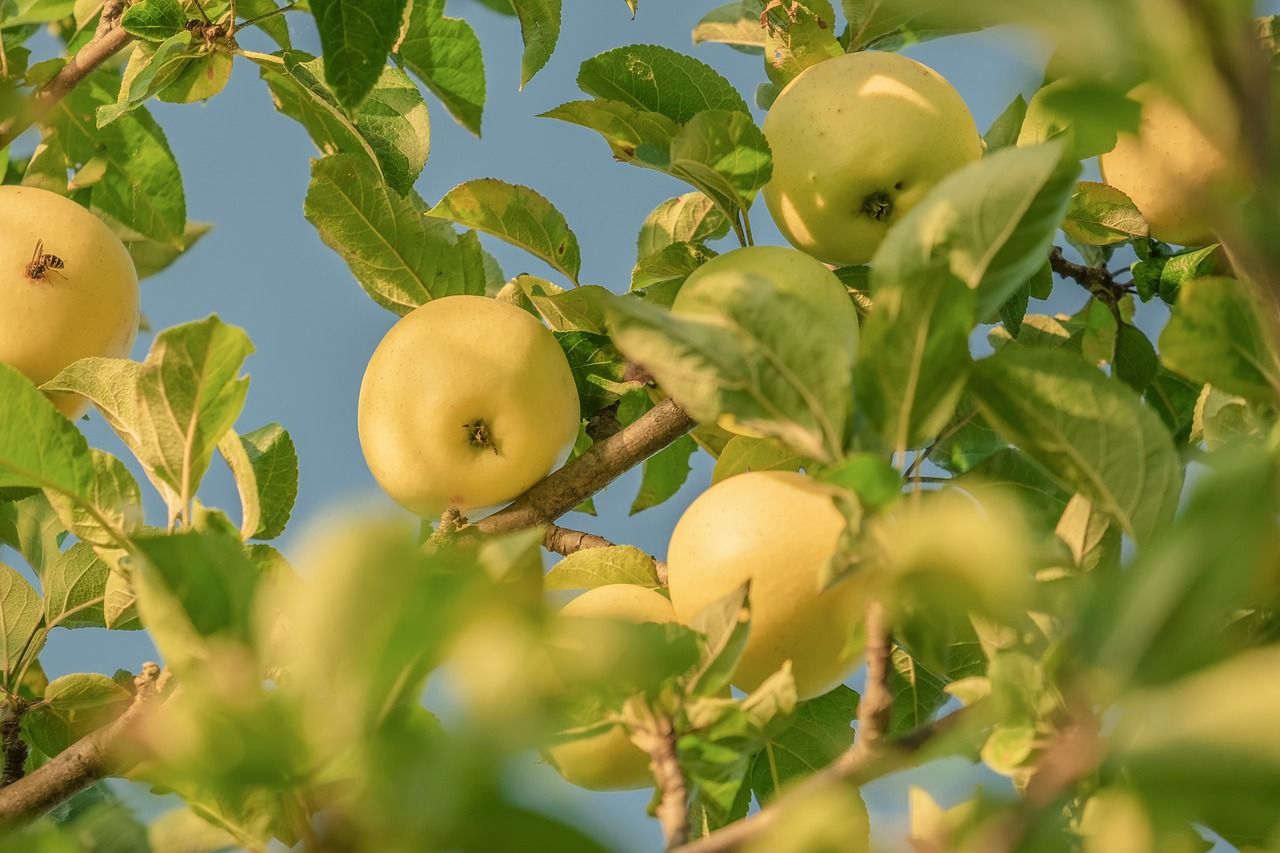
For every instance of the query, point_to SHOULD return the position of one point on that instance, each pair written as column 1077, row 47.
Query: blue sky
column 263, row 268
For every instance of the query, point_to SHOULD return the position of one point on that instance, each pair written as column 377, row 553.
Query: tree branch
column 1090, row 278
column 581, row 478
column 865, row 762
column 95, row 756
column 673, row 809
column 109, row 40
column 877, row 700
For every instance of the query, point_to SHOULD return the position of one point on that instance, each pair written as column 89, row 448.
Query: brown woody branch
column 599, row 466
column 659, row 740
column 865, row 762
column 95, row 756
column 877, row 700
column 1092, row 279
column 109, row 40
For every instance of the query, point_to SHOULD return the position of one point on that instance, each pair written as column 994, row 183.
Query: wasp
column 43, row 263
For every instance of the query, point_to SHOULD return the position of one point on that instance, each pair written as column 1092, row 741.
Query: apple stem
column 878, row 205
column 478, row 432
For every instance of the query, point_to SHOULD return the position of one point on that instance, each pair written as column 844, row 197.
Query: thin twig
column 877, row 699
column 600, row 465
column 943, row 436
column 658, row 739
column 109, row 40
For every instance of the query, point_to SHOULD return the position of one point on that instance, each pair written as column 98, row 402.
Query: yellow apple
column 857, row 141
column 782, row 270
column 466, row 403
column 51, row 314
column 1173, row 172
column 610, row 761
column 777, row 529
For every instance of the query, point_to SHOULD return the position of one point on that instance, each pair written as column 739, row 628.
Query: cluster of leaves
column 292, row 701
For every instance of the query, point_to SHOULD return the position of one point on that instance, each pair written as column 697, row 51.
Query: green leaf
column 598, row 370
column 38, row 446
column 392, row 127
column 152, row 256
column 540, row 30
column 1174, row 399
column 1084, row 113
column 689, row 218
column 265, row 466
column 150, row 69
column 29, row 525
column 20, row 614
column 753, row 349
column 73, row 706
column 890, row 26
column 819, row 731
column 743, row 454
column 153, row 20
column 1215, row 336
column 1089, row 535
column 1013, row 312
column 624, row 127
column 579, row 309
column 517, row 215
column 1090, row 432
column 592, row 567
column 190, row 392
column 356, row 36
column 111, row 384
column 660, row 80
column 658, row 277
column 75, row 588
column 1101, row 215
column 991, row 224
column 1005, row 129
column 1009, row 472
column 201, row 76
column 192, row 587
column 444, row 53
column 722, row 153
column 663, row 474
column 736, row 24
column 797, row 37
column 917, row 693
column 915, row 355
column 1135, row 359
column 401, row 258
column 1205, row 758
column 141, row 187
column 183, row 830
column 109, row 509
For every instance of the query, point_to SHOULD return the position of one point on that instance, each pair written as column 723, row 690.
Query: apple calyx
column 878, row 205
column 479, row 436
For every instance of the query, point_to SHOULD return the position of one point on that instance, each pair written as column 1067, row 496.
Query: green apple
column 610, row 761
column 791, row 275
column 858, row 141
column 778, row 530
column 466, row 403
column 77, row 298
column 1175, row 174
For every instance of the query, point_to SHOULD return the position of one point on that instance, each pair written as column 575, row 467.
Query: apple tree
column 1049, row 541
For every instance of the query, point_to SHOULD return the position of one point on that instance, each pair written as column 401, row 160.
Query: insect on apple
column 43, row 263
